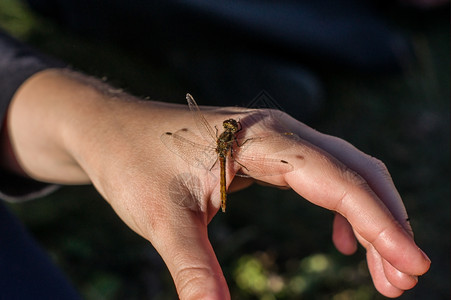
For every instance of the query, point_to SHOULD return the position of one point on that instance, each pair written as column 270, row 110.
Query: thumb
column 189, row 256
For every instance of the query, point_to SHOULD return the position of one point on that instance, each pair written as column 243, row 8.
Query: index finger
column 326, row 181
column 372, row 170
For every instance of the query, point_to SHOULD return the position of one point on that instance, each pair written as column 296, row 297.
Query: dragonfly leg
column 239, row 124
column 245, row 141
column 211, row 168
column 241, row 165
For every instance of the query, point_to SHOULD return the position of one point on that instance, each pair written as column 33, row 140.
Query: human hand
column 91, row 133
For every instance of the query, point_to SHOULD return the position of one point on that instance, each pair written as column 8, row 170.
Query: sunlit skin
column 64, row 127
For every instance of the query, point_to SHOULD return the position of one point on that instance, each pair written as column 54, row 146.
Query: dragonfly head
column 231, row 125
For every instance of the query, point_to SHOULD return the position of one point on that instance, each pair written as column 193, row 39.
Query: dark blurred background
column 375, row 74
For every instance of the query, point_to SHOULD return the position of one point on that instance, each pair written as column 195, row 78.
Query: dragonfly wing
column 269, row 143
column 256, row 167
column 253, row 158
column 197, row 155
column 202, row 124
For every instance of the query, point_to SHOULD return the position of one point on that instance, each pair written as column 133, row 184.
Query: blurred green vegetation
column 269, row 249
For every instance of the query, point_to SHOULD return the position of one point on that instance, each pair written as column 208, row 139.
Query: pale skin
column 70, row 129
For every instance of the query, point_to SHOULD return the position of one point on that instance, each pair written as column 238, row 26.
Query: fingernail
column 424, row 255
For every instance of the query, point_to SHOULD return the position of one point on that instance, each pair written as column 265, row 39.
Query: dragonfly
column 224, row 147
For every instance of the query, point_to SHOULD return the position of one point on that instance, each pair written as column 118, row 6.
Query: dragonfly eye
column 230, row 124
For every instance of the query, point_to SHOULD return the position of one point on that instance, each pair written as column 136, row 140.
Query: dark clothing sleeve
column 18, row 62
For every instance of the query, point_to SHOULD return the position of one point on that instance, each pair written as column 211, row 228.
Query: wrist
column 42, row 118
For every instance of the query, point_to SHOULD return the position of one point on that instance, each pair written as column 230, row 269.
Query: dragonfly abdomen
column 222, row 164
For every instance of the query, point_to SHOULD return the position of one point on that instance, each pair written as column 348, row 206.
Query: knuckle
column 377, row 164
column 190, row 282
column 352, row 176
